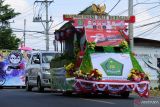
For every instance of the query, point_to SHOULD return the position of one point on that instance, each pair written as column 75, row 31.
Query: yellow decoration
column 124, row 45
column 130, row 75
column 94, row 74
column 69, row 67
column 137, row 76
column 91, row 45
column 99, row 9
column 69, row 70
column 79, row 73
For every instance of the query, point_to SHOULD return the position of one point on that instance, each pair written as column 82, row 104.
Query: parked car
column 37, row 69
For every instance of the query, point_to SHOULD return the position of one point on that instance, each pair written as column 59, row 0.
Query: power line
column 127, row 9
column 114, row 6
column 147, row 31
column 146, row 24
column 153, row 28
column 136, row 5
column 33, row 35
column 28, row 31
column 44, row 9
column 147, row 9
column 16, row 28
column 22, row 30
column 156, row 33
column 34, row 9
column 27, row 10
column 150, row 3
column 56, row 25
column 40, row 9
column 150, row 32
column 148, row 19
column 22, row 17
column 25, row 13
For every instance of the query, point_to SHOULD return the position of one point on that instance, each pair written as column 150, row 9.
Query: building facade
column 147, row 53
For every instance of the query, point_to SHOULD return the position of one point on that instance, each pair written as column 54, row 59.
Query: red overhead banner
column 128, row 19
column 104, row 37
column 100, row 24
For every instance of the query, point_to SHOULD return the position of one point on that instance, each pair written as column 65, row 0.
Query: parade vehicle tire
column 2, row 80
column 1, row 87
column 40, row 88
column 18, row 87
column 23, row 87
column 28, row 87
column 125, row 94
column 67, row 93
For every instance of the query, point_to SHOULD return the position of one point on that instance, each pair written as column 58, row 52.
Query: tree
column 7, row 39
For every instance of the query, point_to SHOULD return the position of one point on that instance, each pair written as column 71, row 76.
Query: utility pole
column 46, row 21
column 130, row 13
column 24, row 32
column 47, row 27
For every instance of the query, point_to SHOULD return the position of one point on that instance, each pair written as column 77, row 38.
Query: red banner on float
column 100, row 24
column 127, row 19
column 104, row 37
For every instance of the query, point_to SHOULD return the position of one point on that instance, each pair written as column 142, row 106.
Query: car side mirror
column 37, row 61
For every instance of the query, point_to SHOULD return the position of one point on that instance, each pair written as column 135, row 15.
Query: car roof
column 42, row 51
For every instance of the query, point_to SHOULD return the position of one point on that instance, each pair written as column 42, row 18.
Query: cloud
column 19, row 5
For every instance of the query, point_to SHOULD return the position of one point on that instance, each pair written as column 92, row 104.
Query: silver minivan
column 37, row 69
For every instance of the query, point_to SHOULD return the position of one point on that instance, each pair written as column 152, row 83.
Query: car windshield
column 47, row 57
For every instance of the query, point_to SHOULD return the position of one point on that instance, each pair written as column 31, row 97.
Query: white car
column 37, row 69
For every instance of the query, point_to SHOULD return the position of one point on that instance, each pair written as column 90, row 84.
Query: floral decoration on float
column 137, row 75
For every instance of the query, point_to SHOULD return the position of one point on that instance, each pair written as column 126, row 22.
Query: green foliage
column 108, row 49
column 135, row 63
column 6, row 12
column 76, row 48
column 7, row 39
column 86, row 65
column 115, row 49
column 89, row 50
column 60, row 61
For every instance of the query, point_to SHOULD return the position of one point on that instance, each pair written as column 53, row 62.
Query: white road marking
column 99, row 101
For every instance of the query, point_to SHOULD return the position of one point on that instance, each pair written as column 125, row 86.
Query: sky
column 145, row 13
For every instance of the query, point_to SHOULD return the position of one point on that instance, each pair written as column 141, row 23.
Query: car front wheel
column 28, row 87
column 40, row 88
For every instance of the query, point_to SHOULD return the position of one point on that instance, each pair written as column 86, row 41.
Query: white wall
column 149, row 55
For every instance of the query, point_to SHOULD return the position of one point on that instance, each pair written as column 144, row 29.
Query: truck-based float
column 96, row 56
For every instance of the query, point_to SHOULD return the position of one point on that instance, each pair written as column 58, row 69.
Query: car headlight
column 46, row 71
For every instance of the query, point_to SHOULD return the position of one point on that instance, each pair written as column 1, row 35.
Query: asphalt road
column 21, row 98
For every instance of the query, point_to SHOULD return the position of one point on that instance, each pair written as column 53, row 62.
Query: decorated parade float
column 12, row 67
column 96, row 56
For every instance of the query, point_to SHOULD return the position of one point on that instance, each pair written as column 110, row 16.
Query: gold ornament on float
column 98, row 9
